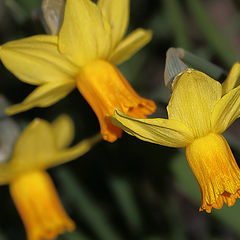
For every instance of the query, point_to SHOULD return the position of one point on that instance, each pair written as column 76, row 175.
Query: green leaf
column 85, row 206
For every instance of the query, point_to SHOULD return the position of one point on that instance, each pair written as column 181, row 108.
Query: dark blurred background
column 131, row 189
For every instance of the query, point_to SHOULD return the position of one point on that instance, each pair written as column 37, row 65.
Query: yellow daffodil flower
column 83, row 55
column 41, row 145
column 199, row 111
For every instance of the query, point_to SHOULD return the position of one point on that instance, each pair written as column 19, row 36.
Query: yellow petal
column 117, row 13
column 226, row 111
column 35, row 146
column 85, row 34
column 32, row 151
column 233, row 78
column 130, row 45
column 194, row 97
column 160, row 131
column 36, row 60
column 37, row 149
column 69, row 154
column 43, row 96
column 63, row 128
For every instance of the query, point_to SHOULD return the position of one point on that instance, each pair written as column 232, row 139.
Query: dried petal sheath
column 105, row 88
column 216, row 170
column 39, row 206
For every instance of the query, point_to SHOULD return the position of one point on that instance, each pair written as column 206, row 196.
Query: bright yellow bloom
column 83, row 55
column 41, row 145
column 199, row 111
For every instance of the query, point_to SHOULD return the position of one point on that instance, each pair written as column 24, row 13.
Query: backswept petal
column 35, row 145
column 233, row 78
column 68, row 154
column 226, row 111
column 130, row 45
column 43, row 96
column 165, row 132
column 117, row 13
column 85, row 34
column 36, row 60
column 37, row 148
column 63, row 128
column 193, row 99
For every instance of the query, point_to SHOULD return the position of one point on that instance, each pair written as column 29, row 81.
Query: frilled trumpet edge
column 39, row 206
column 105, row 88
column 216, row 170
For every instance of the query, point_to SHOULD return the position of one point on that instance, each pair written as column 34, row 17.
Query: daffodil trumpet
column 83, row 55
column 199, row 111
column 42, row 145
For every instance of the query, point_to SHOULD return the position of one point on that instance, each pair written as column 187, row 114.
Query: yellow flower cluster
column 84, row 55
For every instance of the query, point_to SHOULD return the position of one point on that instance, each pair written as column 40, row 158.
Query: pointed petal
column 63, row 128
column 233, row 78
column 35, row 145
column 43, row 96
column 85, row 34
column 117, row 13
column 226, row 111
column 194, row 97
column 69, row 154
column 36, row 60
column 160, row 131
column 130, row 45
column 36, row 149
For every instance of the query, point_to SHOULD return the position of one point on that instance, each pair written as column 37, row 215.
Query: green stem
column 86, row 207
column 213, row 35
column 125, row 198
column 76, row 235
column 19, row 13
column 178, row 26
